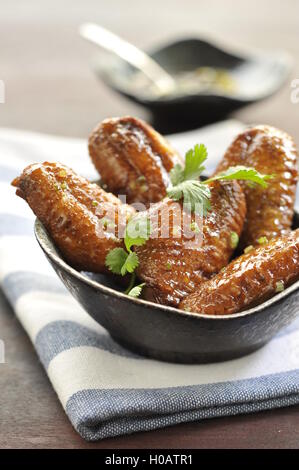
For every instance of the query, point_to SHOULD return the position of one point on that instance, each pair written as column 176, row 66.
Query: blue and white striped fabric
column 105, row 389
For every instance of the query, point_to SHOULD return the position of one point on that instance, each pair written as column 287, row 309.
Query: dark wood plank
column 50, row 88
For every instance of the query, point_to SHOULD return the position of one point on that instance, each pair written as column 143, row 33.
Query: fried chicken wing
column 173, row 263
column 250, row 279
column 132, row 159
column 270, row 151
column 83, row 220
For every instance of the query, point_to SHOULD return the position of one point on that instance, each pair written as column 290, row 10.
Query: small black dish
column 166, row 333
column 257, row 77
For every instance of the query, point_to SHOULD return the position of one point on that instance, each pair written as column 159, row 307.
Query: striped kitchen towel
column 105, row 389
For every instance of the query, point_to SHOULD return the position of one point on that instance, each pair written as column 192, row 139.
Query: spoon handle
column 131, row 54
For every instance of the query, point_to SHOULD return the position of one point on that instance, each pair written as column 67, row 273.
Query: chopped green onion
column 140, row 179
column 248, row 249
column 107, row 223
column 234, row 239
column 279, row 286
column 262, row 240
column 187, row 309
column 194, row 227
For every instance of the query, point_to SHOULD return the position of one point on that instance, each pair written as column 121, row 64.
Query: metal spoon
column 163, row 82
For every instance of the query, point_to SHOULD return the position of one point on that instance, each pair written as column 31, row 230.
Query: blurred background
column 50, row 86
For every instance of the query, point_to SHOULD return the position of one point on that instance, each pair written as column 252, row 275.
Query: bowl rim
column 45, row 243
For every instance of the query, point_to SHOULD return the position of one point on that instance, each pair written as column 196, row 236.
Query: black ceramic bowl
column 257, row 77
column 167, row 333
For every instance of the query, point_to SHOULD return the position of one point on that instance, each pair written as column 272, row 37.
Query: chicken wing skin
column 172, row 266
column 250, row 279
column 132, row 159
column 83, row 220
column 270, row 151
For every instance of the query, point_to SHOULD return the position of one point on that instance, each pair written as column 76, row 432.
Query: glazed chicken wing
column 270, row 151
column 83, row 220
column 132, row 159
column 250, row 279
column 173, row 264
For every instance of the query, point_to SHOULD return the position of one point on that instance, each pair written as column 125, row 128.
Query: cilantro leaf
column 137, row 231
column 118, row 261
column 194, row 159
column 242, row 173
column 176, row 174
column 136, row 291
column 195, row 194
column 115, row 260
column 130, row 264
column 187, row 187
column 185, row 184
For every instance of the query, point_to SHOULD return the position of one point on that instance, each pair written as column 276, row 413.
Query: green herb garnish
column 121, row 261
column 141, row 179
column 242, row 173
column 107, row 223
column 115, row 260
column 187, row 309
column 262, row 240
column 194, row 160
column 279, row 286
column 194, row 227
column 185, row 184
column 130, row 264
column 137, row 231
column 248, row 249
column 136, row 291
column 234, row 239
column 195, row 193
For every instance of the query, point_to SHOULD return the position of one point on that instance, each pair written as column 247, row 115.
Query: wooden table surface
column 50, row 88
